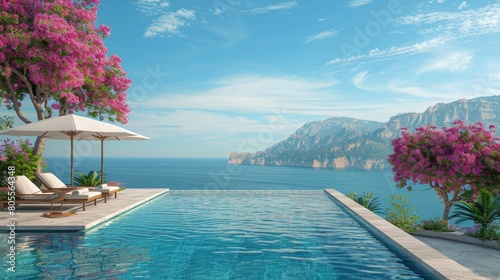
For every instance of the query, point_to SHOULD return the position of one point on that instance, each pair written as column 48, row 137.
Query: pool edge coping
column 123, row 210
column 84, row 227
column 432, row 260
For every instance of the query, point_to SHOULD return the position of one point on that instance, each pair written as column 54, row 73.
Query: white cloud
column 152, row 7
column 248, row 95
column 170, row 23
column 254, row 94
column 359, row 79
column 456, row 25
column 272, row 8
column 218, row 12
column 416, row 91
column 454, row 62
column 321, row 36
column 463, row 5
column 359, row 3
column 394, row 50
column 322, row 19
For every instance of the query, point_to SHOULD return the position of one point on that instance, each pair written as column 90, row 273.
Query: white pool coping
column 430, row 259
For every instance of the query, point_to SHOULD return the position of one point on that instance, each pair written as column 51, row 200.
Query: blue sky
column 210, row 77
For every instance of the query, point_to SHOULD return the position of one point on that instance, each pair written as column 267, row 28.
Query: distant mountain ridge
column 342, row 142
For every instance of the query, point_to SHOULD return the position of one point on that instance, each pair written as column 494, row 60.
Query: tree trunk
column 446, row 211
column 448, row 203
column 38, row 149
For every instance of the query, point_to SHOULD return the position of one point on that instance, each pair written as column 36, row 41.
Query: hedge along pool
column 220, row 235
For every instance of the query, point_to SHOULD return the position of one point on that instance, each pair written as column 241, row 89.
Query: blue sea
column 216, row 174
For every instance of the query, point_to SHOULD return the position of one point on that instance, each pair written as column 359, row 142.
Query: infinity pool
column 219, row 235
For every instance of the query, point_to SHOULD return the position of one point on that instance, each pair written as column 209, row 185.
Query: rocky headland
column 342, row 142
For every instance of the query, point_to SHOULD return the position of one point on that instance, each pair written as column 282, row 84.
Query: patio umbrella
column 103, row 138
column 73, row 127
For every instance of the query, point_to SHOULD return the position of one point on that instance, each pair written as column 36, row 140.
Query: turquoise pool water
column 219, row 235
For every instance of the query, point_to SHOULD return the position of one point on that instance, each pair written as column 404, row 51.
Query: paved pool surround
column 435, row 262
column 29, row 217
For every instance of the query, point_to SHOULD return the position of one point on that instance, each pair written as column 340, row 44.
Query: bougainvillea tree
column 450, row 160
column 52, row 57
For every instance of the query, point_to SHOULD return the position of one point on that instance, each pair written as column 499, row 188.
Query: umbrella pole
column 102, row 161
column 71, row 160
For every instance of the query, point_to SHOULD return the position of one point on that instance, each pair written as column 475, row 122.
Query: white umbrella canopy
column 74, row 127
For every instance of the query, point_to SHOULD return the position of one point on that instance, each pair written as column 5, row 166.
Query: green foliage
column 4, row 194
column 93, row 178
column 435, row 224
column 484, row 210
column 401, row 215
column 491, row 232
column 19, row 154
column 6, row 122
column 366, row 200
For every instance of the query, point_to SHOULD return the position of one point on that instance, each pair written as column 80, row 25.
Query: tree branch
column 38, row 107
column 13, row 99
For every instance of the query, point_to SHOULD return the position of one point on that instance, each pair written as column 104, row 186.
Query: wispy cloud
column 359, row 79
column 454, row 62
column 416, row 91
column 394, row 50
column 152, row 7
column 170, row 23
column 359, row 3
column 463, row 6
column 272, row 8
column 462, row 24
column 320, row 36
column 253, row 94
column 446, row 27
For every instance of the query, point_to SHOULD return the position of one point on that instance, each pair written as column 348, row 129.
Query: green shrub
column 19, row 154
column 366, row 200
column 93, row 178
column 492, row 231
column 484, row 210
column 435, row 224
column 4, row 194
column 401, row 215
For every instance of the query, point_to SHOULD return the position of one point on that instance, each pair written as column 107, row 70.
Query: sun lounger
column 82, row 196
column 29, row 193
column 51, row 182
column 106, row 190
column 24, row 187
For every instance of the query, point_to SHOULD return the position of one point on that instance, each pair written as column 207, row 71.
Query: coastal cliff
column 341, row 142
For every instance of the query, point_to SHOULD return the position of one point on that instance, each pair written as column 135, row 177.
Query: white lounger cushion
column 25, row 186
column 85, row 195
column 51, row 180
